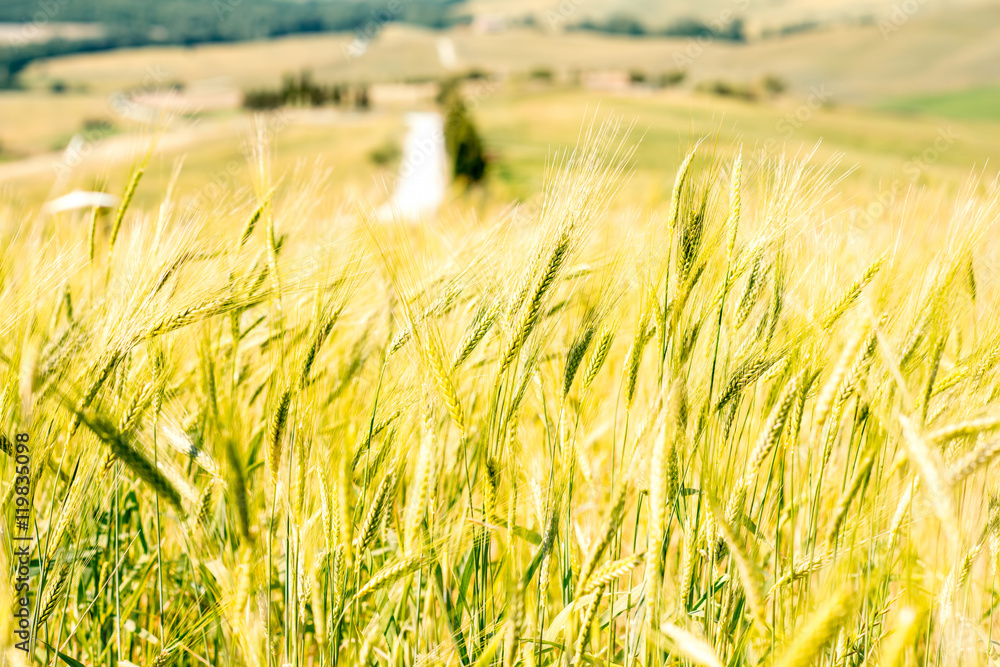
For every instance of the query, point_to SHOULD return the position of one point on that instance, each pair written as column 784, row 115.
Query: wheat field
column 754, row 428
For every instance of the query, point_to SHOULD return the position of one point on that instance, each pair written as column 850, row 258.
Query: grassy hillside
column 975, row 104
column 131, row 23
column 526, row 129
column 881, row 155
column 214, row 158
column 934, row 50
column 656, row 14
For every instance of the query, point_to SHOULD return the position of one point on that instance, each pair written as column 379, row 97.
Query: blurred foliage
column 303, row 91
column 626, row 24
column 463, row 142
column 130, row 23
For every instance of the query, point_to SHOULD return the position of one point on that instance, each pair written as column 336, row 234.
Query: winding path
column 420, row 188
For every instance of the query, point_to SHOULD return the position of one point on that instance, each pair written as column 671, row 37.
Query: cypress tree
column 462, row 141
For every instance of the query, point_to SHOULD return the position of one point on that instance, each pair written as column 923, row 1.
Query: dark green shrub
column 672, row 78
column 541, row 74
column 462, row 141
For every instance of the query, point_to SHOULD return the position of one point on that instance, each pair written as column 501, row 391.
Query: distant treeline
column 626, row 24
column 130, row 23
column 14, row 59
column 303, row 91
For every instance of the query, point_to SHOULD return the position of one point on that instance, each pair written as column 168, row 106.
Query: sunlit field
column 753, row 425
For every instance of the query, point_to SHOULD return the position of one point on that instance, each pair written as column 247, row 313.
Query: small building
column 388, row 94
column 610, row 80
column 484, row 24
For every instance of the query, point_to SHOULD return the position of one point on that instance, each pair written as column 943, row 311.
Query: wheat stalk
column 931, row 469
column 598, row 356
column 818, row 631
column 276, row 432
column 973, row 461
column 373, row 518
column 611, row 525
column 423, row 488
column 123, row 206
column 963, row 429
column 387, row 575
column 692, row 647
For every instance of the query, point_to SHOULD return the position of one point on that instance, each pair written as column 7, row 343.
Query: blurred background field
column 875, row 82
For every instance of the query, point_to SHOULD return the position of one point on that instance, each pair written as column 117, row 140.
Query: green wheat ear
column 820, row 628
column 133, row 183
